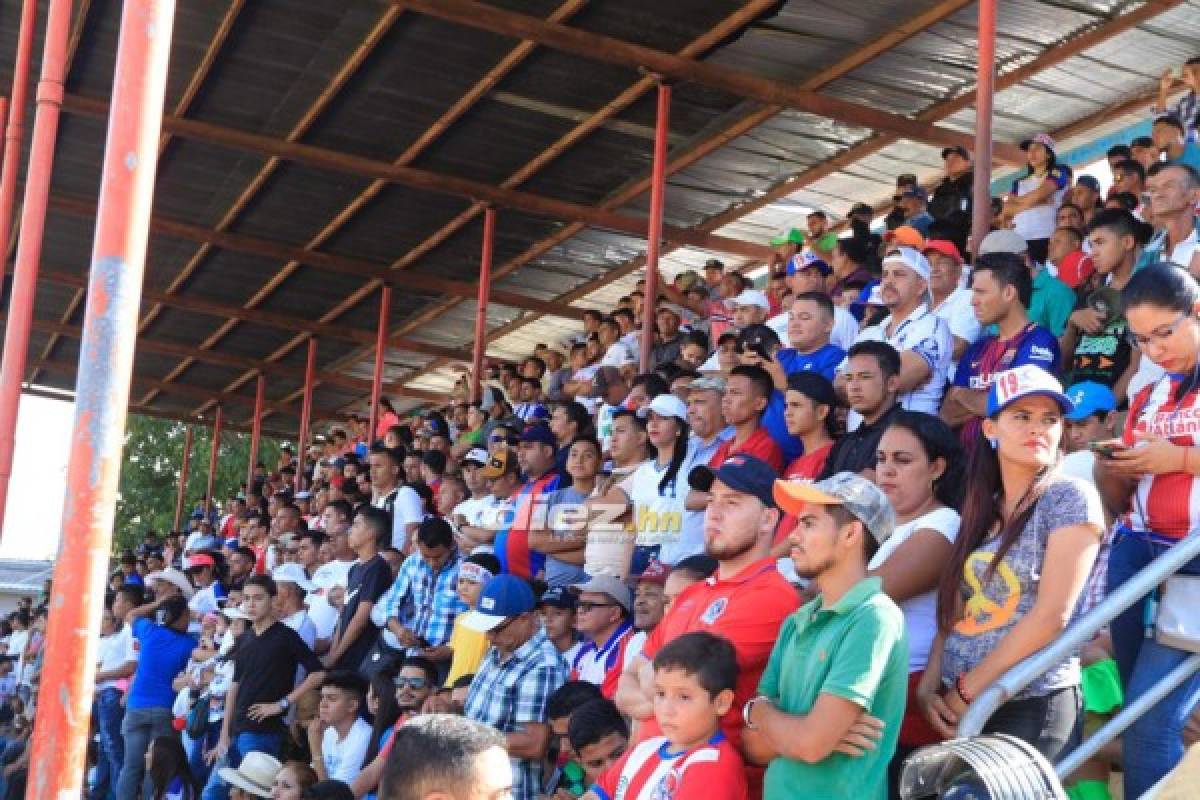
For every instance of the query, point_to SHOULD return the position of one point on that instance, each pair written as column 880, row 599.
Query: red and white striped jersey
column 652, row 771
column 1168, row 504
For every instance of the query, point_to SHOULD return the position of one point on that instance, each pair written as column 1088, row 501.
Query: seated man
column 841, row 657
column 603, row 617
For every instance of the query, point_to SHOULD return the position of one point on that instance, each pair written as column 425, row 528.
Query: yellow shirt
column 469, row 648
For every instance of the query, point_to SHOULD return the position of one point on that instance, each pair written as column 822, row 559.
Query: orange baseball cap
column 907, row 236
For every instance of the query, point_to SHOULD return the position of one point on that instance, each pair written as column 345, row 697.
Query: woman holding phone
column 1148, row 478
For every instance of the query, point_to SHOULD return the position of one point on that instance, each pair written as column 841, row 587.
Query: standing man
column 536, row 457
column 841, row 656
column 951, row 201
column 368, row 580
column 516, row 678
column 263, row 686
column 402, row 504
column 870, row 378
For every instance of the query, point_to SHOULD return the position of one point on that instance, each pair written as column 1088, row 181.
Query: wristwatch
column 284, row 704
column 748, row 709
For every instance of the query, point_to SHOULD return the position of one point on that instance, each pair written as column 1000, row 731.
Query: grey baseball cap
column 712, row 383
column 856, row 494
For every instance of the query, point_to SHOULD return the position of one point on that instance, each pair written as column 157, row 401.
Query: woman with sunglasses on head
column 1025, row 547
column 1148, row 476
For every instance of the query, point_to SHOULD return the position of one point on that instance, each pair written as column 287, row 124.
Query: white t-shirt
column 343, row 757
column 1080, row 464
column 634, row 648
column 335, row 573
column 408, row 509
column 845, row 329
column 116, row 651
column 1038, row 222
column 920, row 612
column 960, row 317
column 1183, row 253
column 660, row 516
column 324, row 617
column 927, row 335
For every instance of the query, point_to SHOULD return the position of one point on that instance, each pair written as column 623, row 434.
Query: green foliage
column 150, row 473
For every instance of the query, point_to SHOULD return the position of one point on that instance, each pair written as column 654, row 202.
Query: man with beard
column 415, row 683
column 806, row 706
column 745, row 601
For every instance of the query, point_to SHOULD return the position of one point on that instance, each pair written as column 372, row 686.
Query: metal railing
column 1077, row 635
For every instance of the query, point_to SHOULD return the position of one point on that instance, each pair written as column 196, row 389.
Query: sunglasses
column 413, row 683
column 588, row 606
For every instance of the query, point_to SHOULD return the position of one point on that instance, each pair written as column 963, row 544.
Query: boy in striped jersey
column 694, row 677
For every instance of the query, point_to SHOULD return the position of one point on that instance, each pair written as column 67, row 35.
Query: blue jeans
column 242, row 743
column 140, row 727
column 109, row 714
column 1152, row 745
column 197, row 748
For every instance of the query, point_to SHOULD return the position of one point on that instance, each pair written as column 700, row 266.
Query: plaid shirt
column 424, row 603
column 508, row 694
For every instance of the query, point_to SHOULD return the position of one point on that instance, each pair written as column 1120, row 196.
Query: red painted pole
column 3, row 121
column 255, row 430
column 654, row 236
column 981, row 194
column 385, row 312
column 310, row 369
column 181, row 493
column 213, row 452
column 481, row 303
column 60, row 735
column 15, row 128
column 33, row 224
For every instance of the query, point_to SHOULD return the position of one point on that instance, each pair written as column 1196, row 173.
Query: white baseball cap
column 753, row 297
column 909, row 257
column 292, row 573
column 665, row 405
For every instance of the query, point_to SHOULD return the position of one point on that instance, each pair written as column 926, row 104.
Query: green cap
column 793, row 236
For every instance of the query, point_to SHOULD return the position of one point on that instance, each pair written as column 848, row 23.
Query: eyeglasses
column 413, row 683
column 587, row 606
column 1159, row 335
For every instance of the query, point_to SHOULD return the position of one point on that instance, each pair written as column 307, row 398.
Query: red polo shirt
column 760, row 445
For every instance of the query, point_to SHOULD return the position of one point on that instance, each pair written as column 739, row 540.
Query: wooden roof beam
column 425, row 180
column 739, row 83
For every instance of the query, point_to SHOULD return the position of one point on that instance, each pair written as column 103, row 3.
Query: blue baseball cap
column 806, row 260
column 1089, row 181
column 1090, row 398
column 539, row 433
column 1025, row 381
column 749, row 475
column 502, row 597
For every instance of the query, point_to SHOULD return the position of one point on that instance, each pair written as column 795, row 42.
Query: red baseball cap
column 1076, row 267
column 201, row 560
column 944, row 247
column 655, row 572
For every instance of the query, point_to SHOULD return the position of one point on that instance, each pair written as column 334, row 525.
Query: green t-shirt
column 1052, row 304
column 856, row 649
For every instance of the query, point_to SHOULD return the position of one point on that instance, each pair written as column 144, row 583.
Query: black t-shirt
column 855, row 451
column 265, row 671
column 368, row 582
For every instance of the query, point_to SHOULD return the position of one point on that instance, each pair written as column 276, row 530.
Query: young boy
column 694, row 677
column 599, row 736
column 339, row 736
column 469, row 646
column 567, row 776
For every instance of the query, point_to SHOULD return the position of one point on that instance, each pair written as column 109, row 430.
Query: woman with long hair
column 1147, row 480
column 1025, row 547
column 658, row 489
column 293, row 781
column 1032, row 204
column 919, row 466
column 386, row 417
column 384, row 711
column 170, row 776
column 561, row 539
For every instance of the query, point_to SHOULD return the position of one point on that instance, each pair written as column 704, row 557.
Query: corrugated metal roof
column 282, row 55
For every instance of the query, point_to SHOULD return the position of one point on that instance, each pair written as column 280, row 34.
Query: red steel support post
column 213, row 452
column 60, row 736
column 310, row 369
column 481, row 303
column 33, row 224
column 981, row 194
column 181, row 492
column 654, row 236
column 15, row 127
column 385, row 313
column 255, row 430
column 3, row 121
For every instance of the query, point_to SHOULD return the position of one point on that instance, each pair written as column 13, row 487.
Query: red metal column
column 654, row 236
column 33, row 223
column 310, row 369
column 60, row 736
column 212, row 460
column 3, row 122
column 481, row 303
column 981, row 194
column 181, row 493
column 385, row 313
column 255, row 430
column 15, row 129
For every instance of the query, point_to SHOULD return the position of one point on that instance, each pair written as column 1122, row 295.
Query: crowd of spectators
column 773, row 562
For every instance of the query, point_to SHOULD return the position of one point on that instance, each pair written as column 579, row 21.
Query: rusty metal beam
column 736, row 82
column 341, row 265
